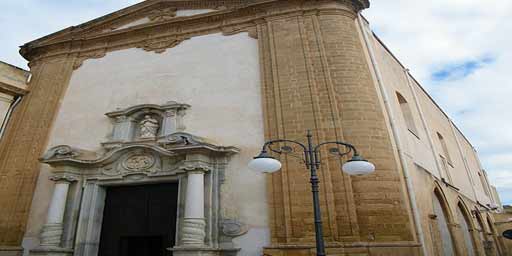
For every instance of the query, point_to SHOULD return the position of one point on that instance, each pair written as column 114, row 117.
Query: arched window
column 444, row 237
column 465, row 225
column 407, row 113
column 445, row 157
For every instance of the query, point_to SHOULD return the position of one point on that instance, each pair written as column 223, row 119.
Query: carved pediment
column 177, row 144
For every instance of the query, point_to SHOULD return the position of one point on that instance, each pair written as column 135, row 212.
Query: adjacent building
column 137, row 131
column 13, row 85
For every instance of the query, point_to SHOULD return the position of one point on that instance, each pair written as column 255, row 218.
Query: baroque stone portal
column 161, row 153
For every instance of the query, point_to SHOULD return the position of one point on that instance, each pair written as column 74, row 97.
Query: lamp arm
column 350, row 146
column 270, row 142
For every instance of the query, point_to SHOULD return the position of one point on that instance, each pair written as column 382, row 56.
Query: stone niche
column 146, row 122
column 148, row 146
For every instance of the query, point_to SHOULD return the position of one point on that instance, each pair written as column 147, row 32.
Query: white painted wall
column 217, row 75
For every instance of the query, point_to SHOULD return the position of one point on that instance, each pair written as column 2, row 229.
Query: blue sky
column 458, row 49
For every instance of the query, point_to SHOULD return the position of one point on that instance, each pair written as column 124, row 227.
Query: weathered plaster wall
column 217, row 75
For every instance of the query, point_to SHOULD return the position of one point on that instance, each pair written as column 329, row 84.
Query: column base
column 193, row 232
column 11, row 251
column 203, row 251
column 51, row 235
column 50, row 251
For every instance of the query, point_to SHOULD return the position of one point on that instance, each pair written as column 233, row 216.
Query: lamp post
column 356, row 166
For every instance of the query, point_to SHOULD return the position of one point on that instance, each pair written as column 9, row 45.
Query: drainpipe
column 8, row 115
column 394, row 129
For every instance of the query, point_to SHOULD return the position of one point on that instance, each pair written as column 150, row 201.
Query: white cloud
column 428, row 36
column 26, row 20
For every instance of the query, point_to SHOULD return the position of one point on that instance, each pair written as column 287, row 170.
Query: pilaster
column 24, row 142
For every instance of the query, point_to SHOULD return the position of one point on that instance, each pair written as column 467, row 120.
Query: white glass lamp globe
column 264, row 164
column 358, row 166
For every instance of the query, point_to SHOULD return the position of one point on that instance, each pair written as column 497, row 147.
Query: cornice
column 160, row 35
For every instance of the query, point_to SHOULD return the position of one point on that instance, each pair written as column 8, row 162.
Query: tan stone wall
column 317, row 77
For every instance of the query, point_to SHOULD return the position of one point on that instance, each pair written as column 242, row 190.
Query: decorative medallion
column 139, row 162
column 159, row 45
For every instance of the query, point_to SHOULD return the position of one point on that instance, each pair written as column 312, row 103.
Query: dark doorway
column 139, row 220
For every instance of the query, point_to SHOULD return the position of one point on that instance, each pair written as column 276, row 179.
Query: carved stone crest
column 60, row 152
column 139, row 162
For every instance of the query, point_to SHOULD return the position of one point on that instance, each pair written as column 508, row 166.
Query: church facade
column 138, row 126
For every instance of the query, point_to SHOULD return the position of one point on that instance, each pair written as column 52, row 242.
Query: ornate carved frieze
column 162, row 14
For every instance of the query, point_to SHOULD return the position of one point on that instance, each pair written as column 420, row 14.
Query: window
column 445, row 148
column 407, row 114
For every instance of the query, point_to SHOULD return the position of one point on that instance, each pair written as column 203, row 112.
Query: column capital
column 196, row 167
column 64, row 178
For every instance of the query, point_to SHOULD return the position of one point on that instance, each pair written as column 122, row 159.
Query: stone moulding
column 171, row 105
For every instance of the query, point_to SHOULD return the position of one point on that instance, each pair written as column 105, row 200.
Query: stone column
column 194, row 222
column 52, row 231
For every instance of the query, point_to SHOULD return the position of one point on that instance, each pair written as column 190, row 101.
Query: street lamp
column 264, row 163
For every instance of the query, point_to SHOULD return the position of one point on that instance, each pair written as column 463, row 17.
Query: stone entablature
column 98, row 37
column 73, row 223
